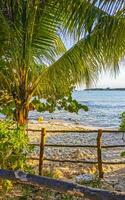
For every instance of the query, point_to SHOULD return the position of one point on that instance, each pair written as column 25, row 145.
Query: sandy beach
column 58, row 125
column 114, row 174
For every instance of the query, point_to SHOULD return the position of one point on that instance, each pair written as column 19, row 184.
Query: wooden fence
column 98, row 146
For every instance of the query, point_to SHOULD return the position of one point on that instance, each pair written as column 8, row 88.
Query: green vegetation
column 122, row 124
column 34, row 61
column 122, row 128
column 14, row 149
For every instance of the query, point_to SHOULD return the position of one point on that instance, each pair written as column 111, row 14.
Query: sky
column 106, row 80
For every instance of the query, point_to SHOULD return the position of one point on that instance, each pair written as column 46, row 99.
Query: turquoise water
column 105, row 108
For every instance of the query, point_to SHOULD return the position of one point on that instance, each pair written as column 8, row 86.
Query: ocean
column 105, row 108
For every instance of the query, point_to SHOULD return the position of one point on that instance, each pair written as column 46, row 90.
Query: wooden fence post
column 41, row 155
column 99, row 153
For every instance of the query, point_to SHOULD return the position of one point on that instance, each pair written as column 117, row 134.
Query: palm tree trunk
column 21, row 115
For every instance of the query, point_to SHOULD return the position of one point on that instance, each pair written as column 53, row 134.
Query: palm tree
column 33, row 58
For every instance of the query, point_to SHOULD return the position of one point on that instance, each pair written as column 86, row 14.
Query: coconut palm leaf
column 88, row 57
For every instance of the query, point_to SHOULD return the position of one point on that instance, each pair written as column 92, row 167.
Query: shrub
column 122, row 124
column 122, row 128
column 14, row 148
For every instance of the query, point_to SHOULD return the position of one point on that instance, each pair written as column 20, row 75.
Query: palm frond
column 79, row 65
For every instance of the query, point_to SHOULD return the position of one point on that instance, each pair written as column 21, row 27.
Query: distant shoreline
column 109, row 89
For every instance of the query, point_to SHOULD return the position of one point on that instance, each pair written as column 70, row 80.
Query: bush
column 122, row 124
column 14, row 147
column 122, row 128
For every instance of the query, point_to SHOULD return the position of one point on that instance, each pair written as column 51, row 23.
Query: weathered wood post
column 41, row 155
column 99, row 153
column 61, row 186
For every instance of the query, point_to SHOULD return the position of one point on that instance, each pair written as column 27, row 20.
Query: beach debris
column 40, row 119
column 84, row 178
